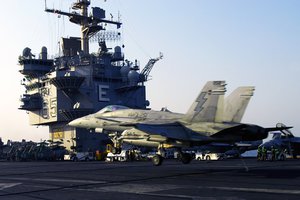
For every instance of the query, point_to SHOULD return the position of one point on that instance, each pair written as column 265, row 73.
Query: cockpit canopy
column 111, row 108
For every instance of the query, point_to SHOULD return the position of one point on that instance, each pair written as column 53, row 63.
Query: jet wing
column 172, row 131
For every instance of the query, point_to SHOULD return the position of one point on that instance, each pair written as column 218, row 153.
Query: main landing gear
column 157, row 159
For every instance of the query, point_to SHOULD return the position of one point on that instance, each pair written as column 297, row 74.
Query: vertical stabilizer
column 236, row 103
column 208, row 105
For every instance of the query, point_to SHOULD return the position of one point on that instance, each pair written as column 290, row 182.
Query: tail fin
column 236, row 103
column 208, row 106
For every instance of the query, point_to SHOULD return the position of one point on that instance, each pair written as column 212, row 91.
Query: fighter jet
column 284, row 140
column 202, row 124
column 235, row 106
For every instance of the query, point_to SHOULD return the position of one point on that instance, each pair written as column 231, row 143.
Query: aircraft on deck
column 202, row 124
column 284, row 140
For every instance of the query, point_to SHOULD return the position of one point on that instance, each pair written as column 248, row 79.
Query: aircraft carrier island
column 77, row 82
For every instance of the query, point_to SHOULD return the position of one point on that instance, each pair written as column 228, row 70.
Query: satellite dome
column 124, row 72
column 27, row 52
column 133, row 77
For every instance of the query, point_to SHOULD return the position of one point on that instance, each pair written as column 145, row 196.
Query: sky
column 249, row 42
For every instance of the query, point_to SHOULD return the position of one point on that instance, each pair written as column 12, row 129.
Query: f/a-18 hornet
column 202, row 124
column 284, row 139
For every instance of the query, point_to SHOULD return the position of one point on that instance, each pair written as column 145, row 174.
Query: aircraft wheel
column 208, row 157
column 157, row 160
column 186, row 158
column 116, row 150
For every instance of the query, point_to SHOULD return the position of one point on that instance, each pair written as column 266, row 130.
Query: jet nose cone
column 75, row 123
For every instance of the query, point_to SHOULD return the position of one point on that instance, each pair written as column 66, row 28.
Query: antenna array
column 106, row 36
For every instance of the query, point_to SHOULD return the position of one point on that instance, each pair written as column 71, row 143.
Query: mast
column 83, row 6
column 89, row 24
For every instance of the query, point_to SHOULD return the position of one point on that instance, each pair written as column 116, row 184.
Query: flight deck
column 225, row 179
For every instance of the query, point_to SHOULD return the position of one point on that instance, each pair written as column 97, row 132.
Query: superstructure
column 78, row 82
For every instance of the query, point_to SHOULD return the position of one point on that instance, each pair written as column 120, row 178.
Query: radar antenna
column 106, row 36
column 90, row 25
